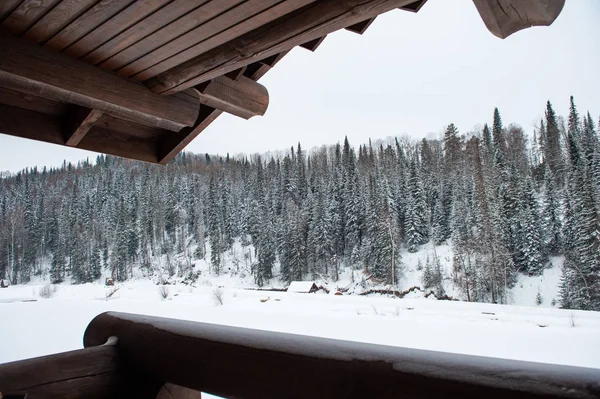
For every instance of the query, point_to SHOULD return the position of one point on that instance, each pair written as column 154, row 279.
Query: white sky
column 409, row 74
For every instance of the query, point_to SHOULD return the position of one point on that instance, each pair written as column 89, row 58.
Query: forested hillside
column 504, row 199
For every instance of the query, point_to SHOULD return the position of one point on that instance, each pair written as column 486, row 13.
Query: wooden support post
column 243, row 97
column 79, row 122
column 38, row 71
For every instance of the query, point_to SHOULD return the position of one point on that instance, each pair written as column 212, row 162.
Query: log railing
column 158, row 357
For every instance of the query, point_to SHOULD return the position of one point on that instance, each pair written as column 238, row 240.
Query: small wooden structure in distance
column 307, row 287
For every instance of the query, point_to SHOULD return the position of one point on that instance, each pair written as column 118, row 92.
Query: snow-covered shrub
column 218, row 295
column 163, row 291
column 47, row 291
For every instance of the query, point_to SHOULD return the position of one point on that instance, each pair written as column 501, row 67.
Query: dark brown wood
column 166, row 34
column 42, row 72
column 145, row 27
column 310, row 23
column 219, row 39
column 79, row 122
column 175, row 143
column 505, row 17
column 266, row 365
column 172, row 391
column 102, row 137
column 33, row 103
column 8, row 6
column 56, row 19
column 91, row 372
column 26, row 14
column 236, row 74
column 313, row 44
column 242, row 97
column 137, row 11
column 88, row 21
column 414, row 7
column 220, row 23
column 361, row 27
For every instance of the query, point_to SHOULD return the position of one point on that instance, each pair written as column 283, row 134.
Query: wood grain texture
column 242, row 97
column 172, row 144
column 219, row 39
column 56, row 19
column 80, row 121
column 26, row 15
column 32, row 103
column 88, row 21
column 32, row 125
column 145, row 27
column 239, row 13
column 7, row 6
column 505, row 17
column 137, row 11
column 91, row 372
column 42, row 72
column 310, row 23
column 110, row 142
column 267, row 365
column 172, row 30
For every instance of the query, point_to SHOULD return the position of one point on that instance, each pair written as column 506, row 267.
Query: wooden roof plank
column 143, row 28
column 414, row 7
column 168, row 33
column 117, row 24
column 255, row 22
column 311, row 23
column 88, row 21
column 79, row 122
column 8, row 6
column 219, row 23
column 56, row 19
column 26, row 14
column 42, row 72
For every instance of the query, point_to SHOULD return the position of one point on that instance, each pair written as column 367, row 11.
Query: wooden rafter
column 361, row 27
column 313, row 44
column 42, row 72
column 308, row 24
column 79, row 122
column 415, row 6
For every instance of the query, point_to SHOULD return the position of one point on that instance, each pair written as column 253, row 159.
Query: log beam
column 242, row 97
column 30, row 69
column 312, row 22
column 79, row 122
column 505, row 17
column 313, row 44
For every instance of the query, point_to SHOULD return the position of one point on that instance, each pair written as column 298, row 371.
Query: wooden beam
column 79, row 122
column 172, row 391
column 505, row 17
column 361, row 27
column 243, row 97
column 175, row 143
column 313, row 44
column 309, row 23
column 271, row 365
column 51, row 129
column 42, row 72
column 91, row 372
column 236, row 74
column 414, row 7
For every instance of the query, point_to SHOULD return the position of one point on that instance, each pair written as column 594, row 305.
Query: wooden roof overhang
column 141, row 79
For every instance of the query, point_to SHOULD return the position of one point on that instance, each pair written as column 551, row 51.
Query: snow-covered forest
column 503, row 199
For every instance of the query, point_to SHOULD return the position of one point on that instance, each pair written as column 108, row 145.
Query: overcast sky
column 409, row 74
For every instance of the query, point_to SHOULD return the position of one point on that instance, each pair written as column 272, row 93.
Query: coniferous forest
column 505, row 200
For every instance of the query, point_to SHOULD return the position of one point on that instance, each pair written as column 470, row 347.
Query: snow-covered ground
column 528, row 333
